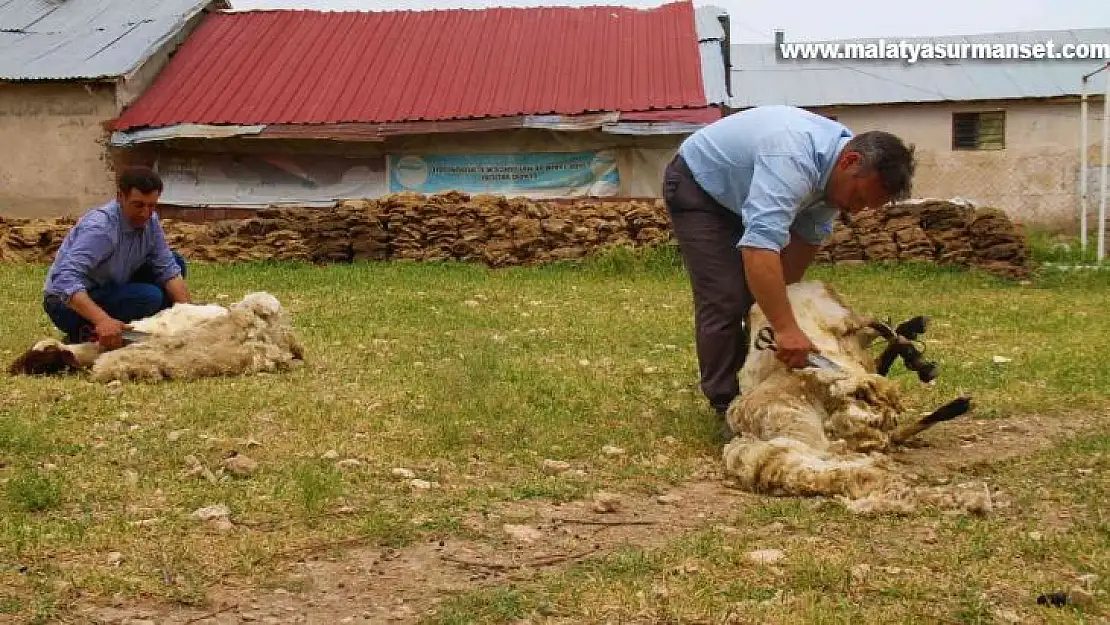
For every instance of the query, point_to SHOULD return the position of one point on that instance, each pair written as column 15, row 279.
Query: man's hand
column 792, row 347
column 177, row 290
column 109, row 333
column 764, row 272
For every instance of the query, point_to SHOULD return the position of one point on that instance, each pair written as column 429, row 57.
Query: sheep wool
column 816, row 432
column 185, row 342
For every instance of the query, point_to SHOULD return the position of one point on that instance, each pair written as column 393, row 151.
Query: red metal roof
column 318, row 67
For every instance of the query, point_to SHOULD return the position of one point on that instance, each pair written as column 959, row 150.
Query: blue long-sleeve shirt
column 770, row 165
column 103, row 249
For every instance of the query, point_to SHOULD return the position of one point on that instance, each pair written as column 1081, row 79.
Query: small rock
column 606, row 503
column 1035, row 535
column 114, row 558
column 240, row 465
column 131, row 476
column 176, row 435
column 1007, row 616
column 668, row 500
column 349, row 463
column 471, row 303
column 222, row 525
column 330, row 454
column 523, row 533
column 860, row 571
column 420, row 484
column 554, row 467
column 612, row 450
column 1088, row 580
column 208, row 513
column 407, row 474
column 766, row 556
column 1000, row 360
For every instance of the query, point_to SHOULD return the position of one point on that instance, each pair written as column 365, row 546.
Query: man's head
column 138, row 191
column 874, row 168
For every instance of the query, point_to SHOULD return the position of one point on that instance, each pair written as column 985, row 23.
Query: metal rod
column 1083, row 165
column 1105, row 158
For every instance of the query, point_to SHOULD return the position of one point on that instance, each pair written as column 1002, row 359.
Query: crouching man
column 115, row 266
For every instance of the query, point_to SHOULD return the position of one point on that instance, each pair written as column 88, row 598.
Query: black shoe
column 724, row 432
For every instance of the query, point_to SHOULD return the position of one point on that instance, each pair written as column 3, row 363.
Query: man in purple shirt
column 115, row 266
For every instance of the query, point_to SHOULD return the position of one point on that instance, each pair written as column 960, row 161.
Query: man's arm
column 797, row 256
column 91, row 244
column 166, row 269
column 780, row 182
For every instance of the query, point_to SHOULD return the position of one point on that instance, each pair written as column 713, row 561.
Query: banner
column 260, row 180
column 533, row 175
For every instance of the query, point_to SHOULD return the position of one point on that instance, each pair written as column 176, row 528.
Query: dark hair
column 145, row 179
column 887, row 155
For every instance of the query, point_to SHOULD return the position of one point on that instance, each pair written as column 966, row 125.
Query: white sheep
column 186, row 341
column 816, row 432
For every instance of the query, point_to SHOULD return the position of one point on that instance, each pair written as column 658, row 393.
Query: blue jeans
column 140, row 297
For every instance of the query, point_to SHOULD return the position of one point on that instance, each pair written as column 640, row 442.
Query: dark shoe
column 724, row 432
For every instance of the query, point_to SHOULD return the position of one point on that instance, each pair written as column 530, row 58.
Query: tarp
column 220, row 180
column 534, row 175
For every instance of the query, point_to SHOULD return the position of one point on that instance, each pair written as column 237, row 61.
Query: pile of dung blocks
column 499, row 231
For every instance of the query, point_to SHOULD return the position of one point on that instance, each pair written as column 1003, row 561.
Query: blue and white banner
column 534, row 175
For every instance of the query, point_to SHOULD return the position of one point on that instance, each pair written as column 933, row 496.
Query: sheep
column 186, row 341
column 817, row 432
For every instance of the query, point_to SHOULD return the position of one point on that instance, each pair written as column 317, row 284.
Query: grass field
column 470, row 379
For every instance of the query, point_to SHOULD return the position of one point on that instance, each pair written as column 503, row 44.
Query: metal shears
column 765, row 339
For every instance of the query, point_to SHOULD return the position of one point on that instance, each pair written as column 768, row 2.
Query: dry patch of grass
column 470, row 379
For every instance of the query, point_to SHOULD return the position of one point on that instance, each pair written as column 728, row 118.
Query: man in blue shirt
column 115, row 266
column 751, row 199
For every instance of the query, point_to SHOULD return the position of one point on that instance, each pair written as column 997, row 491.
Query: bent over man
column 751, row 198
column 115, row 266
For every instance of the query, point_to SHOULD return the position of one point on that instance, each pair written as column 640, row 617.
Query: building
column 271, row 107
column 66, row 70
column 1002, row 132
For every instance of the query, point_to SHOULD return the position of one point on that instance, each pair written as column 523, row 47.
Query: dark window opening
column 979, row 131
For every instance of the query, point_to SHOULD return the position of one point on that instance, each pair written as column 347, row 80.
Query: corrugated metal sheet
column 85, row 39
column 312, row 67
column 759, row 78
column 711, row 38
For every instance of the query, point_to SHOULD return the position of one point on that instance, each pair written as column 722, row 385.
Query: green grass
column 472, row 377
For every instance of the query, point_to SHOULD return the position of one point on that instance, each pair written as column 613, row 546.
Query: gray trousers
column 707, row 234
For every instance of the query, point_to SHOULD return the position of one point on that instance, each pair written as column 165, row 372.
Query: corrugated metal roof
column 760, row 78
column 85, row 39
column 297, row 66
column 711, row 39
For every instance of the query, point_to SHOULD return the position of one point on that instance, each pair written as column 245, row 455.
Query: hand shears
column 766, row 340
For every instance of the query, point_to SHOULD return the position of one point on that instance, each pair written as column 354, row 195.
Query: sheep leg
column 947, row 412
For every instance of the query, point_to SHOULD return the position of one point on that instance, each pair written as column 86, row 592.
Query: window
column 979, row 131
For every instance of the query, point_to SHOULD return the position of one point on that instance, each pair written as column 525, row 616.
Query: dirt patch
column 522, row 540
column 968, row 444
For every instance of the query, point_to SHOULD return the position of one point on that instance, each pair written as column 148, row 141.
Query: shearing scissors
column 765, row 339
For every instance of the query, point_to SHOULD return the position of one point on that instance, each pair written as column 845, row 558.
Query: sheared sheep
column 187, row 341
column 818, row 432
